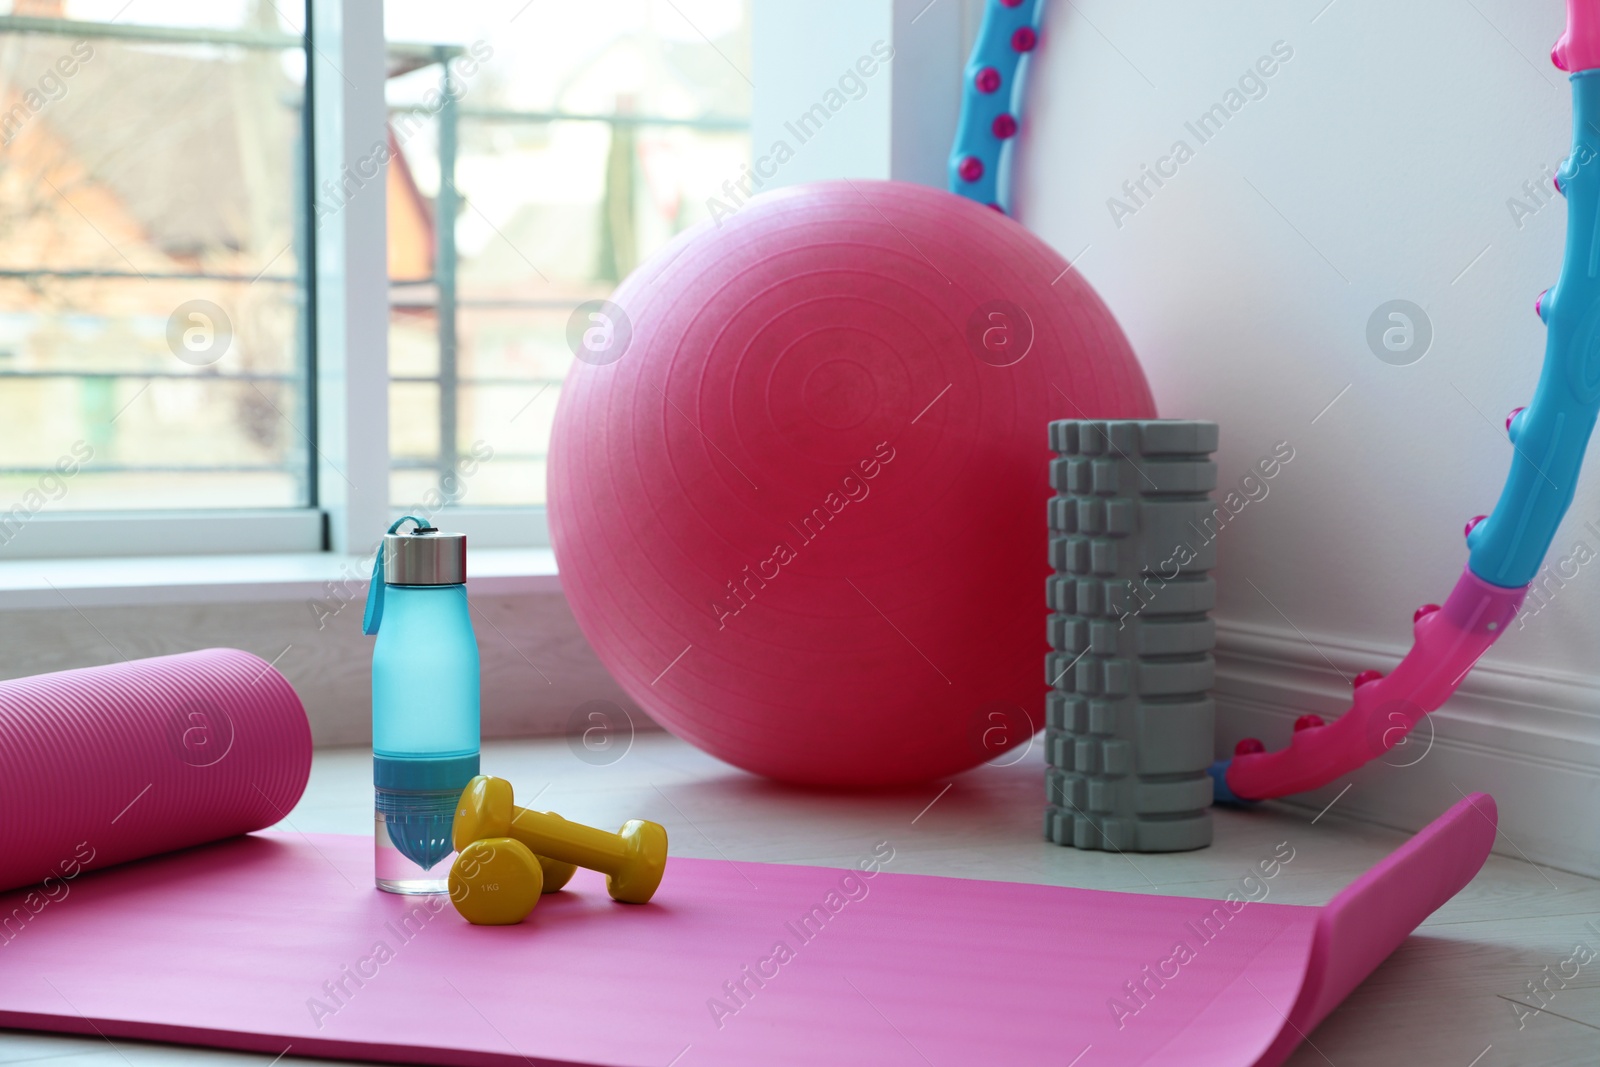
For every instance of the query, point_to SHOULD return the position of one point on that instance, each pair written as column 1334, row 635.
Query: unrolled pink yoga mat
column 107, row 764
column 275, row 943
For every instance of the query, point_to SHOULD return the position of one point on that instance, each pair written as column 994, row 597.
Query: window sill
column 122, row 582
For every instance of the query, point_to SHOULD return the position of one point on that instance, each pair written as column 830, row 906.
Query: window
column 160, row 229
column 153, row 327
column 565, row 144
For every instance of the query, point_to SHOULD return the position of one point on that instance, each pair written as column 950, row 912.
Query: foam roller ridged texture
column 108, row 764
column 1129, row 719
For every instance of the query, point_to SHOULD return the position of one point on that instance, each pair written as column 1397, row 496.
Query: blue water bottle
column 424, row 703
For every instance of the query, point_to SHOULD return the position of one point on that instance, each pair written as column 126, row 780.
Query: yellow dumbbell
column 495, row 882
column 633, row 859
column 556, row 874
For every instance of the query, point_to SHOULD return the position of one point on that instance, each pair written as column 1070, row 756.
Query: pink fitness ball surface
column 801, row 518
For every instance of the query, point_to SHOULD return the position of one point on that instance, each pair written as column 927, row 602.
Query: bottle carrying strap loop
column 374, row 612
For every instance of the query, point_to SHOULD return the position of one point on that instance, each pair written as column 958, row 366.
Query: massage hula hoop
column 1549, row 436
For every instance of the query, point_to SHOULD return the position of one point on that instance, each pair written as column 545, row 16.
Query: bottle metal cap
column 425, row 557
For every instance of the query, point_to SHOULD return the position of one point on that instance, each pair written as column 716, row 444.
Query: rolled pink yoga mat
column 108, row 764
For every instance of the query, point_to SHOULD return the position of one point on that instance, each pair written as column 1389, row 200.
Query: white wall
column 1377, row 166
column 902, row 125
column 1385, row 151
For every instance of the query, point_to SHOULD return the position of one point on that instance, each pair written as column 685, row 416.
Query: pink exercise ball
column 797, row 485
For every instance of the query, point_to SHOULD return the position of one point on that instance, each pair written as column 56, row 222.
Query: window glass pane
column 582, row 138
column 151, row 298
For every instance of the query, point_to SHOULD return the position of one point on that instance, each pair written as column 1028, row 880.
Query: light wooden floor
column 1442, row 999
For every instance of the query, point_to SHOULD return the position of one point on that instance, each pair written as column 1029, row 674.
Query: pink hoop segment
column 1447, row 643
column 1579, row 46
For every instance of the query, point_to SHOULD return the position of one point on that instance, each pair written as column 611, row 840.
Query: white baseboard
column 1530, row 737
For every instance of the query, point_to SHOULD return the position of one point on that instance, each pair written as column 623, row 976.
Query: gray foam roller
column 1129, row 721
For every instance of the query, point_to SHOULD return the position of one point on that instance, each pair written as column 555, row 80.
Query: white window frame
column 346, row 80
column 348, row 73
column 50, row 535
